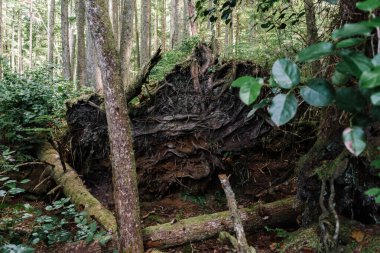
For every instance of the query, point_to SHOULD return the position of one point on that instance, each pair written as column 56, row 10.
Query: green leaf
column 375, row 98
column 373, row 192
column 24, row 181
column 356, row 64
column 370, row 78
column 354, row 140
column 317, row 92
column 3, row 179
column 255, row 107
column 331, row 1
column 349, row 42
column 339, row 78
column 349, row 30
column 376, row 60
column 286, row 73
column 350, row 99
column 3, row 193
column 283, row 108
column 316, row 51
column 376, row 164
column 368, row 5
column 15, row 191
column 372, row 23
column 249, row 88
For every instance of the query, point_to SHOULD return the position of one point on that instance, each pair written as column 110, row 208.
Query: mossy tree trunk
column 120, row 135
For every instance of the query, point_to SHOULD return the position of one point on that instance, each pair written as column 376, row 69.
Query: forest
column 248, row 126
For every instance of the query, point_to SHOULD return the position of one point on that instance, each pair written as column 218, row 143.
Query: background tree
column 65, row 39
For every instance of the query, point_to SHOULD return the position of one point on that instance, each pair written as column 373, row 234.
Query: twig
column 242, row 244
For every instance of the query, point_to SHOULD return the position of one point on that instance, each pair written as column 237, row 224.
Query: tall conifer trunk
column 123, row 161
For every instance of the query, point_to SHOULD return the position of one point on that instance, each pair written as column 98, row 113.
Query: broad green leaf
column 368, row 5
column 356, row 63
column 3, row 178
column 376, row 60
column 370, row 78
column 249, row 88
column 15, row 191
column 375, row 98
column 354, row 140
column 373, row 192
column 350, row 99
column 286, row 73
column 317, row 92
column 339, row 78
column 349, row 42
column 283, row 108
column 316, row 51
column 349, row 30
column 372, row 23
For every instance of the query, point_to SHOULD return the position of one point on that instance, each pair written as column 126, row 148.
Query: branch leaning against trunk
column 242, row 244
column 134, row 89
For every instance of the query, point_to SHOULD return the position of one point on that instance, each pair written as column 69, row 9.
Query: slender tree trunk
column 115, row 19
column 1, row 38
column 126, row 41
column 123, row 161
column 174, row 21
column 93, row 73
column 193, row 27
column 19, row 39
column 185, row 21
column 145, row 48
column 137, row 34
column 31, row 34
column 155, row 36
column 81, row 48
column 73, row 41
column 312, row 31
column 13, row 63
column 163, row 25
column 51, row 17
column 65, row 39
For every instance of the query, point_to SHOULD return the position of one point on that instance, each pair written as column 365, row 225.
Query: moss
column 302, row 238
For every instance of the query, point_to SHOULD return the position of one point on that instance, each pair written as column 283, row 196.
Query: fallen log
column 74, row 188
column 209, row 225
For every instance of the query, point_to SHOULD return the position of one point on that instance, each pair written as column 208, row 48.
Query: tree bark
column 20, row 63
column 81, row 48
column 123, row 161
column 137, row 34
column 163, row 25
column 93, row 73
column 145, row 47
column 209, row 225
column 174, row 21
column 65, row 39
column 115, row 20
column 30, row 34
column 193, row 27
column 51, row 14
column 1, row 37
column 126, row 41
column 312, row 31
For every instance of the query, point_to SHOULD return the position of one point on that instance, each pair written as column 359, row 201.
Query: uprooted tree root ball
column 181, row 133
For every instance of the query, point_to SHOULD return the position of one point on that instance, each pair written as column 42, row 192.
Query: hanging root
column 329, row 243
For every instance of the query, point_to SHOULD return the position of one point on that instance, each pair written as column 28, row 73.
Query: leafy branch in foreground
column 362, row 101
